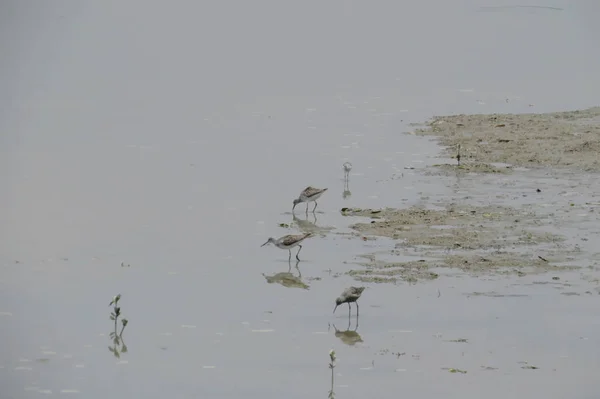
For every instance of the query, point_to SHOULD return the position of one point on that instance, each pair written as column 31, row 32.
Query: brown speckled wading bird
column 288, row 242
column 309, row 194
column 348, row 296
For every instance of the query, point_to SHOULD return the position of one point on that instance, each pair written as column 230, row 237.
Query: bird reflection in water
column 347, row 168
column 306, row 225
column 287, row 279
column 349, row 337
column 310, row 226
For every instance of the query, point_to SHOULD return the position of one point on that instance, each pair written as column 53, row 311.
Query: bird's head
column 338, row 302
column 270, row 240
column 296, row 202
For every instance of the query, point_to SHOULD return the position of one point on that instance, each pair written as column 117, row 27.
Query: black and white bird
column 309, row 194
column 348, row 296
column 288, row 242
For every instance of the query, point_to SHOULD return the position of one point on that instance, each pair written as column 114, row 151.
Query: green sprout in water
column 118, row 342
column 114, row 315
column 332, row 366
column 124, row 324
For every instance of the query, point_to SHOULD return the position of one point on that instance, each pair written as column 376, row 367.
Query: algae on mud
column 492, row 238
column 473, row 239
column 559, row 139
column 389, row 272
column 465, row 168
column 454, row 227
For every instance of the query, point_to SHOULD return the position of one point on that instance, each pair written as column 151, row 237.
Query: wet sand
column 492, row 239
column 560, row 139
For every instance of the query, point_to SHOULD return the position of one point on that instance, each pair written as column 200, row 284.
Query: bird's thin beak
column 335, row 308
column 265, row 244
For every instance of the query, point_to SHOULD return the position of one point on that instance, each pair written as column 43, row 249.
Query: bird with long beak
column 288, row 242
column 348, row 296
column 309, row 194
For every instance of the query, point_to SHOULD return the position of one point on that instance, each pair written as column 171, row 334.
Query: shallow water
column 175, row 137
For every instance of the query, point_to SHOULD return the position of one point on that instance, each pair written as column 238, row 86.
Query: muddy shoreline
column 560, row 139
column 491, row 239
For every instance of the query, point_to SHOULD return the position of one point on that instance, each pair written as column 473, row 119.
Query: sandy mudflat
column 560, row 139
column 500, row 238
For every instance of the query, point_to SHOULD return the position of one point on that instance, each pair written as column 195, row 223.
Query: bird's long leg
column 307, row 207
column 315, row 207
column 290, row 257
column 349, row 322
column 349, row 310
column 356, row 310
column 299, row 249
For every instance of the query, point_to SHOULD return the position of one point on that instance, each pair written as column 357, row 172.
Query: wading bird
column 348, row 296
column 288, row 242
column 347, row 167
column 309, row 194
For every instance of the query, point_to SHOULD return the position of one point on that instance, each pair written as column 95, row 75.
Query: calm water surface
column 174, row 137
